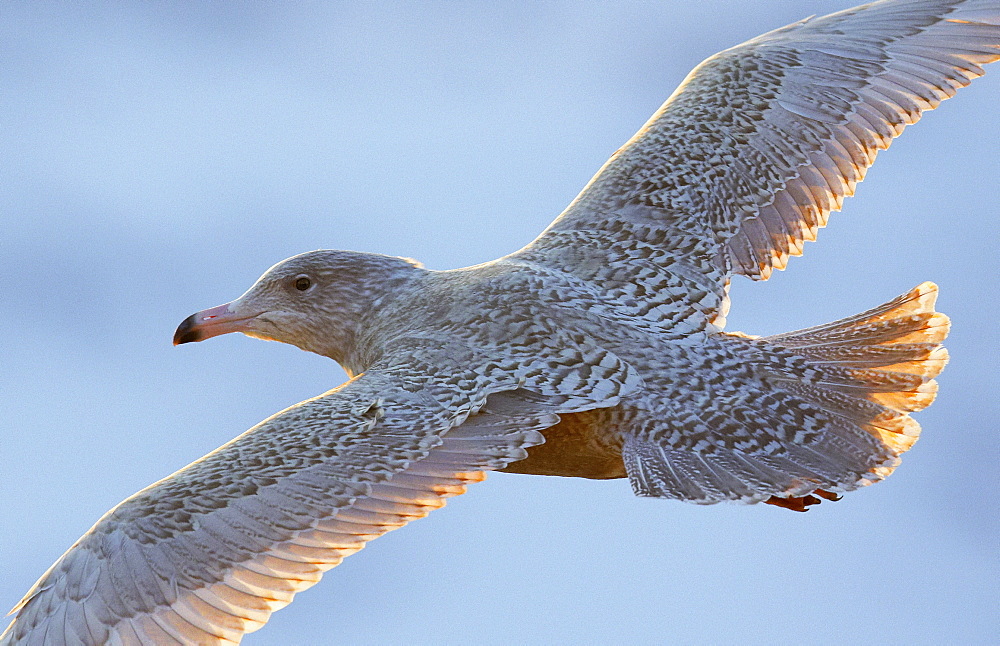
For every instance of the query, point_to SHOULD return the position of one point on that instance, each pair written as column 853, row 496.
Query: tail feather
column 876, row 367
column 912, row 358
column 910, row 312
column 832, row 412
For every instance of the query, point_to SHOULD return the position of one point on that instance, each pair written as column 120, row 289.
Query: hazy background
column 156, row 158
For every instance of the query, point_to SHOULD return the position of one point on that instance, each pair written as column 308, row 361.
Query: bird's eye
column 302, row 283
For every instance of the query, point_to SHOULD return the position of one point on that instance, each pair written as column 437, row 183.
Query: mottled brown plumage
column 596, row 351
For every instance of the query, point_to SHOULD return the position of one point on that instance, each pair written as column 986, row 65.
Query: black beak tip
column 186, row 333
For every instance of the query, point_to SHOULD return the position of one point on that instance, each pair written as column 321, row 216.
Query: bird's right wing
column 208, row 553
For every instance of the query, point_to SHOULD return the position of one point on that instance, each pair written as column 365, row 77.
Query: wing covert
column 206, row 554
column 748, row 157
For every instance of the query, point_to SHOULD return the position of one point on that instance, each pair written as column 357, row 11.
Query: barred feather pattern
column 205, row 555
column 825, row 408
column 596, row 351
column 760, row 143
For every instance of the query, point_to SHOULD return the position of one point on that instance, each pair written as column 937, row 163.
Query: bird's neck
column 355, row 333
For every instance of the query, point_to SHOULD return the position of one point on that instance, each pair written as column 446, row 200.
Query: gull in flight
column 599, row 350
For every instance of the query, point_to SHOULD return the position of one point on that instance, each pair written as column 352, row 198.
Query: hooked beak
column 211, row 322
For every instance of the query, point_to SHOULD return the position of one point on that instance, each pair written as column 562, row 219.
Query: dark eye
column 302, row 283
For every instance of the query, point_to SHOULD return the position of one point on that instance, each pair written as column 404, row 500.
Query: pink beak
column 208, row 323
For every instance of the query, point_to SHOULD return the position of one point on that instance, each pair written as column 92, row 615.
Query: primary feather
column 596, row 351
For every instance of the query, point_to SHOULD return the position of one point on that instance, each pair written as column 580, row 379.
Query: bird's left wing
column 208, row 553
column 748, row 157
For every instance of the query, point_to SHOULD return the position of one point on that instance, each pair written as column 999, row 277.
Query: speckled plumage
column 596, row 351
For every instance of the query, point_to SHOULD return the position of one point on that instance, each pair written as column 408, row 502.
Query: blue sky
column 158, row 157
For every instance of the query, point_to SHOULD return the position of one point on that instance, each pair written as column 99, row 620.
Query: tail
column 875, row 369
column 887, row 356
column 794, row 417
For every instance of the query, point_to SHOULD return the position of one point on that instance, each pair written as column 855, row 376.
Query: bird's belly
column 581, row 445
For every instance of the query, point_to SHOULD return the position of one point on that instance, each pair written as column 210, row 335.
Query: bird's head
column 316, row 301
